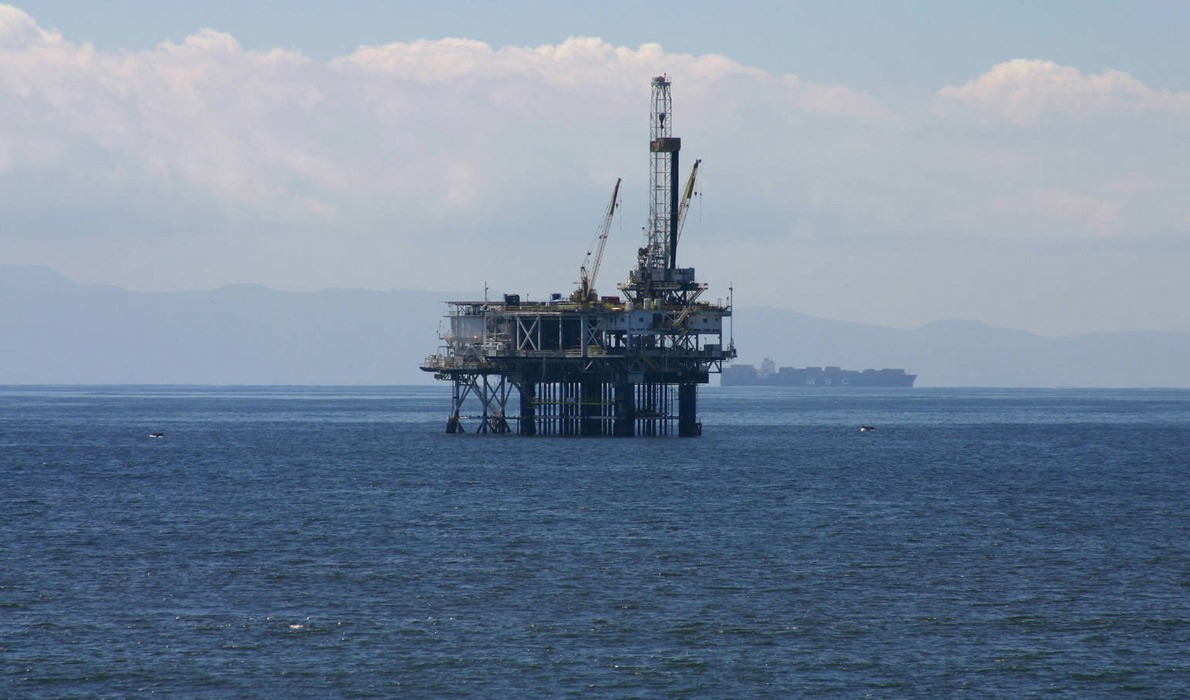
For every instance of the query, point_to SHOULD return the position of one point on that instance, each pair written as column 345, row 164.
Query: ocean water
column 334, row 542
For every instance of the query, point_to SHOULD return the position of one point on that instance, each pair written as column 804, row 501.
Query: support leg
column 625, row 413
column 590, row 408
column 528, row 409
column 688, row 410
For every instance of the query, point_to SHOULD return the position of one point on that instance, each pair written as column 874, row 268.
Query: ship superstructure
column 769, row 375
column 591, row 365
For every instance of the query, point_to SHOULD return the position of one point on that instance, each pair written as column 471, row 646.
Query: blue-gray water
column 335, row 543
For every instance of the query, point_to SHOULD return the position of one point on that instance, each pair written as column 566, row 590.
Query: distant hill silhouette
column 967, row 353
column 53, row 331
column 58, row 332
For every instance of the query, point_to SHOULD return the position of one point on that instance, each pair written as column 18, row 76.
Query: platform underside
column 553, row 399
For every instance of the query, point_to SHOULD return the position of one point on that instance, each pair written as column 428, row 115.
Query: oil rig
column 591, row 365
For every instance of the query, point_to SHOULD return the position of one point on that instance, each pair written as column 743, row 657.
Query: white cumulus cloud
column 426, row 123
column 1022, row 92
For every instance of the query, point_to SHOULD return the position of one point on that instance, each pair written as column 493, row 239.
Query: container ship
column 769, row 375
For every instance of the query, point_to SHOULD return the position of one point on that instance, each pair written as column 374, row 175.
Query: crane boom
column 687, row 195
column 586, row 290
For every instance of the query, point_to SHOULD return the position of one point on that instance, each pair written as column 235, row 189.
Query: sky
column 1022, row 164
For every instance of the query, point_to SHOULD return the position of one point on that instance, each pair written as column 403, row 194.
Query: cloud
column 18, row 29
column 1127, row 186
column 201, row 113
column 424, row 124
column 1022, row 92
column 1097, row 215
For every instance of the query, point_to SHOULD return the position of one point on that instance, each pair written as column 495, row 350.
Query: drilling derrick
column 595, row 365
column 660, row 248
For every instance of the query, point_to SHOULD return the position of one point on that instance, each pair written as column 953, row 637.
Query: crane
column 687, row 195
column 586, row 289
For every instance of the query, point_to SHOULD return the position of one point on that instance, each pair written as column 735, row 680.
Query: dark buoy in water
column 866, row 428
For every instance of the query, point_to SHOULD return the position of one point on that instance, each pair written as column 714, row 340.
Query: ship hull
column 814, row 377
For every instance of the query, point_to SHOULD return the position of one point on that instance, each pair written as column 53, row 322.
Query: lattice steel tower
column 661, row 248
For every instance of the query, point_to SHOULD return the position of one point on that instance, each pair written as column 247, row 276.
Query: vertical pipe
column 673, row 209
column 648, row 399
column 483, row 400
column 568, row 399
column 564, row 406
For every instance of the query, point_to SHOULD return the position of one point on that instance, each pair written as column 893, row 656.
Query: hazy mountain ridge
column 62, row 333
column 59, row 332
column 969, row 353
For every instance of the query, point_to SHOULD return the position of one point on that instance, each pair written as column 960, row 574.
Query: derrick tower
column 595, row 365
column 663, row 181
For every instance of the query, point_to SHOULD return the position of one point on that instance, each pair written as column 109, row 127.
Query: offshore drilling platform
column 590, row 365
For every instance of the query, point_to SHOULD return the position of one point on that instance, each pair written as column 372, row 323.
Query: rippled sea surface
column 334, row 542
